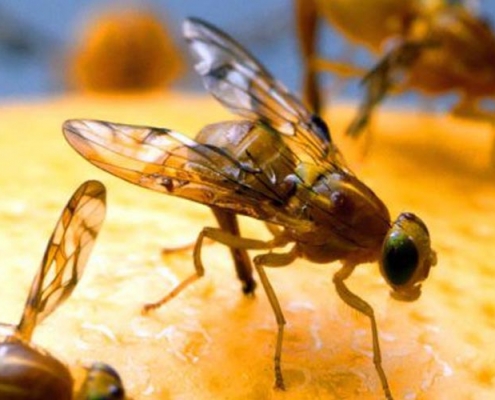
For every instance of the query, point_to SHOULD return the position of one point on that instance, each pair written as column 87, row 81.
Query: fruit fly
column 430, row 47
column 278, row 165
column 28, row 372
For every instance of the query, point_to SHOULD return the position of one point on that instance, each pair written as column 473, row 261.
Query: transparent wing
column 66, row 254
column 382, row 78
column 167, row 161
column 244, row 86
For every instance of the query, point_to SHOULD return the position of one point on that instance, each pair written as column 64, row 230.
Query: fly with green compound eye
column 279, row 165
column 28, row 372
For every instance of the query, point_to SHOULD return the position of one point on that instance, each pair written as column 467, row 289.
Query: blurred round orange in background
column 124, row 50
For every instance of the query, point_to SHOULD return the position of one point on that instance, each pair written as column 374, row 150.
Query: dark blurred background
column 39, row 37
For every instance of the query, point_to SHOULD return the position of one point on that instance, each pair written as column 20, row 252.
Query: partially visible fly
column 431, row 47
column 28, row 372
column 278, row 165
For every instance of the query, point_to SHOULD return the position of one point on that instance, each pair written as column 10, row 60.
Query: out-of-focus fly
column 278, row 165
column 431, row 47
column 28, row 372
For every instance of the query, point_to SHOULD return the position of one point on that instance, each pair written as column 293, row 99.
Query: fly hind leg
column 269, row 260
column 218, row 235
column 228, row 222
column 199, row 272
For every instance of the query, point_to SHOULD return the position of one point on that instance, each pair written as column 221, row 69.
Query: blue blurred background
column 37, row 35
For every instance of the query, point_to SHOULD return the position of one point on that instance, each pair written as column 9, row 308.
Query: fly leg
column 218, row 235
column 343, row 69
column 307, row 25
column 260, row 261
column 269, row 260
column 228, row 223
column 275, row 230
column 199, row 272
column 362, row 306
column 275, row 260
column 179, row 248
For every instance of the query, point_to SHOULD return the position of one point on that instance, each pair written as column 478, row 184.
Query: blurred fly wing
column 66, row 255
column 236, row 79
column 169, row 162
column 377, row 84
column 384, row 77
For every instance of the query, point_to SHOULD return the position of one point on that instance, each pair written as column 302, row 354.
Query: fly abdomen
column 29, row 374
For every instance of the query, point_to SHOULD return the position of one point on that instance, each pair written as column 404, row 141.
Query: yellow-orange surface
column 211, row 342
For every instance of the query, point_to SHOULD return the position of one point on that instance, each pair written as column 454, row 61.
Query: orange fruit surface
column 211, row 342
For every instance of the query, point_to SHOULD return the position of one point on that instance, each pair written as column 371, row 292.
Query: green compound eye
column 400, row 259
column 407, row 257
column 102, row 383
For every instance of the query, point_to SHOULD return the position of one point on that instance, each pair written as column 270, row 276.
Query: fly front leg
column 275, row 260
column 362, row 306
column 268, row 260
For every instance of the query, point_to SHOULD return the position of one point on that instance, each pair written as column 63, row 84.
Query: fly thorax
column 344, row 212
